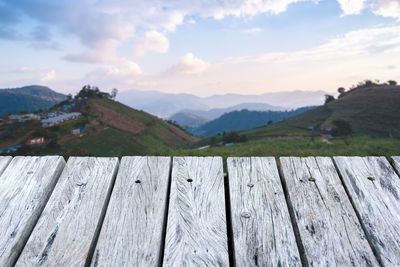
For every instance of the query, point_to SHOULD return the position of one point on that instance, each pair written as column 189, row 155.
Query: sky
column 201, row 47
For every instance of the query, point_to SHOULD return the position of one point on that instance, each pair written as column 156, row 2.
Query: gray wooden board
column 25, row 186
column 329, row 229
column 131, row 234
column 262, row 229
column 68, row 224
column 4, row 161
column 374, row 189
column 196, row 228
column 396, row 164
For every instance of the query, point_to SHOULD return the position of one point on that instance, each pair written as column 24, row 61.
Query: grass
column 301, row 146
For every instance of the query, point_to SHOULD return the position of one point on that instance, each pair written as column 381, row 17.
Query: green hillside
column 114, row 129
column 110, row 129
column 28, row 98
column 244, row 119
column 370, row 110
column 373, row 112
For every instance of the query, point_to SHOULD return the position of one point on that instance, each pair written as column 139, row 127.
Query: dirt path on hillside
column 118, row 120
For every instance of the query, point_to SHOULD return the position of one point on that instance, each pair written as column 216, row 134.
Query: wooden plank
column 262, row 229
column 4, row 161
column 329, row 229
column 73, row 215
column 374, row 189
column 396, row 164
column 132, row 231
column 196, row 228
column 25, row 186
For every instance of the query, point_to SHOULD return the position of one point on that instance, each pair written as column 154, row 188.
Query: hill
column 115, row 129
column 373, row 111
column 187, row 119
column 28, row 98
column 214, row 113
column 244, row 119
column 110, row 129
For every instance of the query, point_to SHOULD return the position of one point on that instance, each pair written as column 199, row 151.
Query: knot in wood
column 250, row 185
column 311, row 179
column 371, row 178
column 80, row 183
column 245, row 214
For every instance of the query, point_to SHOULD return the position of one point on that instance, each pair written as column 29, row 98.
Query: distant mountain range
column 195, row 118
column 244, row 119
column 28, row 98
column 165, row 105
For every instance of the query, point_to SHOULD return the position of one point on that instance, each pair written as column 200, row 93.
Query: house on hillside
column 52, row 121
column 35, row 141
column 24, row 117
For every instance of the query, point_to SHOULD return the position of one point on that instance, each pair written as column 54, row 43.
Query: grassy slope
column 104, row 140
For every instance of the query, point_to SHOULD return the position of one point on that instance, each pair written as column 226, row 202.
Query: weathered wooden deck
column 152, row 211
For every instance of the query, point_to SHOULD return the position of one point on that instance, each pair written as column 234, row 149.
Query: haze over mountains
column 165, row 105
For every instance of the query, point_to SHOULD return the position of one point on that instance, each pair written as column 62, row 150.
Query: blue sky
column 201, row 47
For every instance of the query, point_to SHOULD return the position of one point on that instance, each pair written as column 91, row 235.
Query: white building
column 60, row 119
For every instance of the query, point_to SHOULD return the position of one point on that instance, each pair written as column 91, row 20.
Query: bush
column 341, row 128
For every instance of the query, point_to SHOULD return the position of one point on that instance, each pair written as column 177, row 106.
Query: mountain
column 110, row 129
column 28, row 98
column 370, row 110
column 165, row 105
column 186, row 119
column 244, row 119
column 217, row 112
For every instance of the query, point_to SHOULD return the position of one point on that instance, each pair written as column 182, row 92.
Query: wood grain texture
column 68, row 224
column 374, row 189
column 328, row 226
column 25, row 186
column 262, row 229
column 132, row 231
column 4, row 161
column 196, row 227
column 396, row 164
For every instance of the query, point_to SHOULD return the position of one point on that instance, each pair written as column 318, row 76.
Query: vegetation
column 244, row 119
column 28, row 99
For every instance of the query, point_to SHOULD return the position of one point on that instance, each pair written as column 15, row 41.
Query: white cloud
column 189, row 64
column 387, row 8
column 355, row 43
column 125, row 72
column 152, row 41
column 252, row 30
column 48, row 76
column 351, row 7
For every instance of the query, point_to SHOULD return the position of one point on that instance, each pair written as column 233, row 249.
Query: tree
column 114, row 93
column 328, row 99
column 341, row 92
column 341, row 128
column 392, row 83
column 269, row 122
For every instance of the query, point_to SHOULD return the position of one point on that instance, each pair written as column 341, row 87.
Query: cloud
column 124, row 72
column 387, row 8
column 352, row 7
column 189, row 64
column 252, row 30
column 152, row 41
column 49, row 76
column 355, row 43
